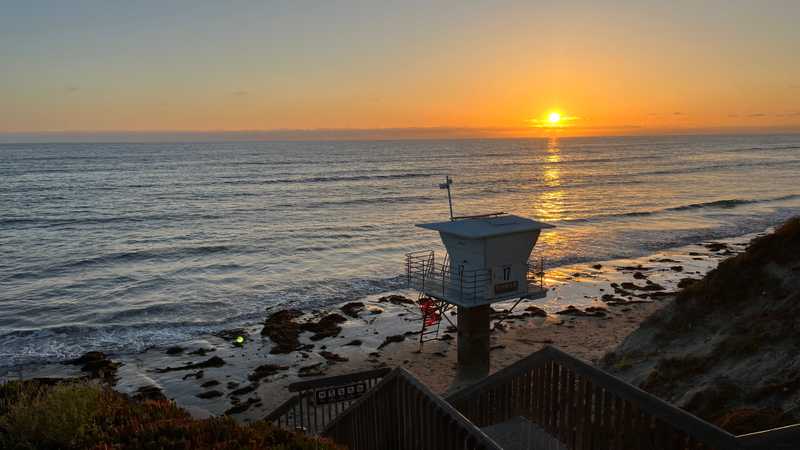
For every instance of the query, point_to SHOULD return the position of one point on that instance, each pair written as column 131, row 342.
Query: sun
column 554, row 117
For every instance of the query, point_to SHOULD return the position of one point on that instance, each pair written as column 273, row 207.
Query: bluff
column 728, row 348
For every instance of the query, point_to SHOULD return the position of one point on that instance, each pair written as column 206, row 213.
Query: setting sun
column 554, row 117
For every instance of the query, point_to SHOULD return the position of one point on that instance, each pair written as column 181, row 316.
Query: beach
column 590, row 308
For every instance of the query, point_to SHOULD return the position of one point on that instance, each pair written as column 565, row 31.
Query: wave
column 169, row 253
column 59, row 222
column 715, row 204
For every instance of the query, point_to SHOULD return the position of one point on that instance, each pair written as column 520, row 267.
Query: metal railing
column 584, row 407
column 783, row 438
column 458, row 285
column 303, row 411
column 403, row 413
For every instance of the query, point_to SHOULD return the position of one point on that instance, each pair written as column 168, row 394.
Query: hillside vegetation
column 728, row 348
column 41, row 414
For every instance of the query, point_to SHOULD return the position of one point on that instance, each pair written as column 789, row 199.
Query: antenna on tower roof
column 446, row 185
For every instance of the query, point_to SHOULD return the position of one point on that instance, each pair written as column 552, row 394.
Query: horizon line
column 370, row 134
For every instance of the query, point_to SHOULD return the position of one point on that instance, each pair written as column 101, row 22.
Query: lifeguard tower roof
column 485, row 227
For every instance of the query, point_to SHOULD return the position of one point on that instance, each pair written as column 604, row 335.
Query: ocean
column 122, row 247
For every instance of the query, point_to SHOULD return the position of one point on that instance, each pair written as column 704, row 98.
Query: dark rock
column 232, row 385
column 98, row 366
column 639, row 276
column 597, row 266
column 650, row 286
column 573, row 311
column 664, row 260
column 197, row 375
column 396, row 300
column 716, row 246
column 314, row 370
column 209, row 383
column 176, row 350
column 676, row 268
column 496, row 347
column 201, row 351
column 638, row 267
column 284, row 332
column 354, row 342
column 149, row 393
column 265, row 370
column 242, row 406
column 333, row 357
column 209, row 395
column 686, row 282
column 390, row 339
column 327, row 326
column 352, row 309
column 244, row 390
column 214, row 361
column 535, row 311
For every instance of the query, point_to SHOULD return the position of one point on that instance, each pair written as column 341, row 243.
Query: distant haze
column 98, row 70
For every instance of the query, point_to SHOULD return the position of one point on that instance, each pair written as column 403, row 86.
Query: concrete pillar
column 473, row 345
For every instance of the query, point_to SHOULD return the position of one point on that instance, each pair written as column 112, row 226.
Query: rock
column 590, row 312
column 597, row 266
column 354, row 342
column 175, row 350
column 638, row 267
column 333, row 357
column 209, row 395
column 283, row 331
column 327, row 326
column 396, row 300
column 314, row 370
column 244, row 390
column 639, row 276
column 390, row 339
column 535, row 311
column 352, row 309
column 209, row 383
column 98, row 366
column 242, row 407
column 265, row 370
column 664, row 260
column 201, row 351
column 149, row 393
column 496, row 347
column 716, row 246
column 232, row 385
column 446, row 337
column 686, row 282
column 214, row 361
column 676, row 268
column 197, row 375
column 650, row 286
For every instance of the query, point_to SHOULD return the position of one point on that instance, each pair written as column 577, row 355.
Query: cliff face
column 728, row 348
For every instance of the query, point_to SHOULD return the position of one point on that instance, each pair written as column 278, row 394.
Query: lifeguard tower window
column 488, row 260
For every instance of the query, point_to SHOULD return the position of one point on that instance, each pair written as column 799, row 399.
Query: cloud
column 677, row 113
column 756, row 115
column 70, row 89
column 789, row 114
column 240, row 93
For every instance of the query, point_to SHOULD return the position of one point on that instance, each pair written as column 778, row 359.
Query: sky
column 336, row 69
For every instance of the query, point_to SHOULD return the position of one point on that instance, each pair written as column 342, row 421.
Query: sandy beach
column 589, row 310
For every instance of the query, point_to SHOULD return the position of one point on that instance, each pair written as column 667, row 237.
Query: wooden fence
column 585, row 408
column 402, row 413
column 304, row 412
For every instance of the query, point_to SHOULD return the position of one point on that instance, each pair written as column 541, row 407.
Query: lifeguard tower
column 488, row 260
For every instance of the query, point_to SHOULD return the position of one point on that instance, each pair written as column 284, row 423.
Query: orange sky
column 611, row 67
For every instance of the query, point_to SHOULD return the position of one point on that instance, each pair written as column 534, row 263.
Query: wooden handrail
column 573, row 398
column 338, row 380
column 781, row 438
column 401, row 412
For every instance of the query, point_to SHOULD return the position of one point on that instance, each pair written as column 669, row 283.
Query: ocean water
column 125, row 246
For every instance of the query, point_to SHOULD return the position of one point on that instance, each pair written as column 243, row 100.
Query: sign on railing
column 339, row 393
